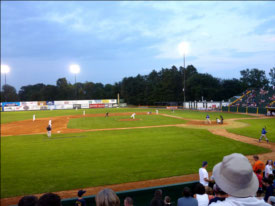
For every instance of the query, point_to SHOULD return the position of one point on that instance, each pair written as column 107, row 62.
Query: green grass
column 192, row 114
column 7, row 117
column 114, row 122
column 33, row 164
column 255, row 127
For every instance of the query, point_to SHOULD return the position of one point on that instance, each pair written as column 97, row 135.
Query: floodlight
column 74, row 68
column 5, row 69
column 183, row 48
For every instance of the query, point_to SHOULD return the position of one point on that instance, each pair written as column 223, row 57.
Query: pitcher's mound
column 125, row 120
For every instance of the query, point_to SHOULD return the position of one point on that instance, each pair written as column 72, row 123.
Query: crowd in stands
column 235, row 182
column 256, row 98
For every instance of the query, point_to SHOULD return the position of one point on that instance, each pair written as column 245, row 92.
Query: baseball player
column 84, row 113
column 107, row 114
column 208, row 121
column 157, row 111
column 263, row 135
column 221, row 119
column 133, row 115
column 218, row 121
column 50, row 123
column 49, row 130
column 33, row 117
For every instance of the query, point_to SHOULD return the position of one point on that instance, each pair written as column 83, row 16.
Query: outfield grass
column 193, row 114
column 33, row 164
column 255, row 127
column 115, row 122
column 7, row 117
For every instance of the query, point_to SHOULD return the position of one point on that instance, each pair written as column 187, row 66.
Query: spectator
column 107, row 197
column 28, row 201
column 167, row 201
column 157, row 200
column 209, row 192
column 128, row 201
column 260, row 179
column 269, row 187
column 268, row 168
column 204, row 174
column 258, row 164
column 200, row 195
column 271, row 200
column 219, row 194
column 187, row 199
column 235, row 176
column 80, row 201
column 49, row 199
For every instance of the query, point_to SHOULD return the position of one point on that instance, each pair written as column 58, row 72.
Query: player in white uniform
column 133, row 115
column 84, row 113
column 50, row 123
column 157, row 111
column 33, row 117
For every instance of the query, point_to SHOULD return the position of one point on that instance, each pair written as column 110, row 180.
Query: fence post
column 228, row 108
column 246, row 110
column 257, row 110
column 237, row 109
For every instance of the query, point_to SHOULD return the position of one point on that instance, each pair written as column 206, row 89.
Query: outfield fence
column 250, row 110
column 141, row 197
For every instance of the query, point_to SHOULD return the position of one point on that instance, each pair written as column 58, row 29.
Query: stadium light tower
column 75, row 69
column 183, row 50
column 4, row 70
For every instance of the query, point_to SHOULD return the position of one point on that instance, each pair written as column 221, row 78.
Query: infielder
column 49, row 131
column 33, row 117
column 263, row 135
column 157, row 111
column 84, row 113
column 50, row 123
column 208, row 119
column 133, row 115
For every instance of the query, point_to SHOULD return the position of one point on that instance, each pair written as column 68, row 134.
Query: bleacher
column 255, row 98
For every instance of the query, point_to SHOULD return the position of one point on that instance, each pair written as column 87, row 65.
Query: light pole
column 183, row 49
column 75, row 69
column 5, row 69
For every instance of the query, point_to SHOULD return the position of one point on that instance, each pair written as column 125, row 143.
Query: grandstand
column 255, row 98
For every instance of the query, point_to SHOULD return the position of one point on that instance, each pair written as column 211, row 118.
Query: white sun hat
column 235, row 176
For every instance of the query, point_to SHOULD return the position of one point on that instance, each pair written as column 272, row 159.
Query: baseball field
column 94, row 150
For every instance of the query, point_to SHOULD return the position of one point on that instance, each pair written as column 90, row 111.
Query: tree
column 8, row 94
column 253, row 78
column 272, row 76
column 65, row 90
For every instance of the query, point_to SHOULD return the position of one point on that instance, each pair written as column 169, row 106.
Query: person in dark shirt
column 80, row 201
column 269, row 187
column 28, row 201
column 157, row 200
column 219, row 194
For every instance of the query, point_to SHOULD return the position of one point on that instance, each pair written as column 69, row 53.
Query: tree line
column 165, row 85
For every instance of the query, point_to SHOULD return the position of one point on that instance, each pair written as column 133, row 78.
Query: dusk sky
column 112, row 40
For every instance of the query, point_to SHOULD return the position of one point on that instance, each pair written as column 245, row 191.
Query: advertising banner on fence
column 50, row 103
column 10, row 104
column 172, row 107
column 41, row 103
column 85, row 106
column 77, row 106
column 105, row 101
column 97, row 106
column 28, row 103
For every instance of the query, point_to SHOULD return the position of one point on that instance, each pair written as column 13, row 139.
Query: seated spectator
column 269, row 187
column 107, row 197
column 260, row 179
column 128, row 201
column 49, row 199
column 201, row 196
column 209, row 192
column 219, row 194
column 235, row 176
column 28, row 201
column 187, row 199
column 167, row 201
column 157, row 200
column 268, row 168
column 80, row 201
column 271, row 200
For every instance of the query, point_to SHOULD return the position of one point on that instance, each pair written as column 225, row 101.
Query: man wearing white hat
column 234, row 175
